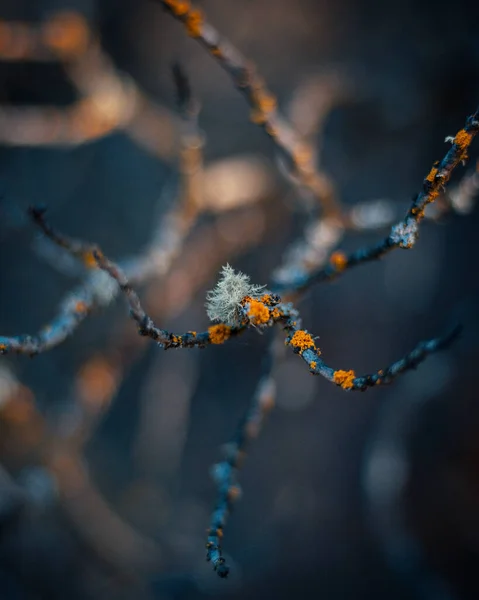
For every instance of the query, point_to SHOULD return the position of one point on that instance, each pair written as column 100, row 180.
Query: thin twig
column 405, row 233
column 225, row 472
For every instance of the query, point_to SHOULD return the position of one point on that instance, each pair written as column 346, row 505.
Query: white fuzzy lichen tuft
column 223, row 302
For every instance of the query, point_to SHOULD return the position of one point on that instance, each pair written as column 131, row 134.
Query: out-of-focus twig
column 108, row 100
column 264, row 111
column 225, row 472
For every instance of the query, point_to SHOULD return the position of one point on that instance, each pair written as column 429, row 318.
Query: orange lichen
column 3, row 348
column 267, row 299
column 258, row 312
column 193, row 22
column 216, row 52
column 276, row 313
column 432, row 174
column 66, row 33
column 313, row 364
column 234, row 492
column 193, row 333
column 463, row 139
column 344, row 378
column 81, row 307
column 178, row 7
column 302, row 340
column 176, row 339
column 89, row 260
column 266, row 102
column 338, row 260
column 302, row 154
column 263, row 103
column 218, row 334
column 270, row 130
column 257, row 117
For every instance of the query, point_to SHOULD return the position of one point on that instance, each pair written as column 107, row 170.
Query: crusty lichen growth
column 81, row 307
column 463, row 139
column 344, row 378
column 179, row 7
column 339, row 260
column 193, row 22
column 258, row 312
column 302, row 341
column 89, row 260
column 431, row 175
column 219, row 333
column 224, row 301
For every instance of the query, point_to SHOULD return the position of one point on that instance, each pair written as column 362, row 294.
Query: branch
column 303, row 344
column 405, row 233
column 225, row 472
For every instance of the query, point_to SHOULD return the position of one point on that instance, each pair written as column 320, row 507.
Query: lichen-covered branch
column 403, row 234
column 97, row 290
column 261, row 311
column 304, row 345
column 245, row 305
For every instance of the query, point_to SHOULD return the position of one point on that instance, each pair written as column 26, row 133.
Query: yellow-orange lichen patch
column 258, row 312
column 178, row 7
column 419, row 212
column 3, row 348
column 263, row 105
column 176, row 339
column 267, row 299
column 463, row 139
column 193, row 333
column 266, row 102
column 81, row 307
column 270, row 130
column 276, row 313
column 218, row 334
column 431, row 175
column 338, row 260
column 234, row 492
column 89, row 259
column 258, row 117
column 313, row 364
column 302, row 155
column 193, row 23
column 344, row 378
column 302, row 340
